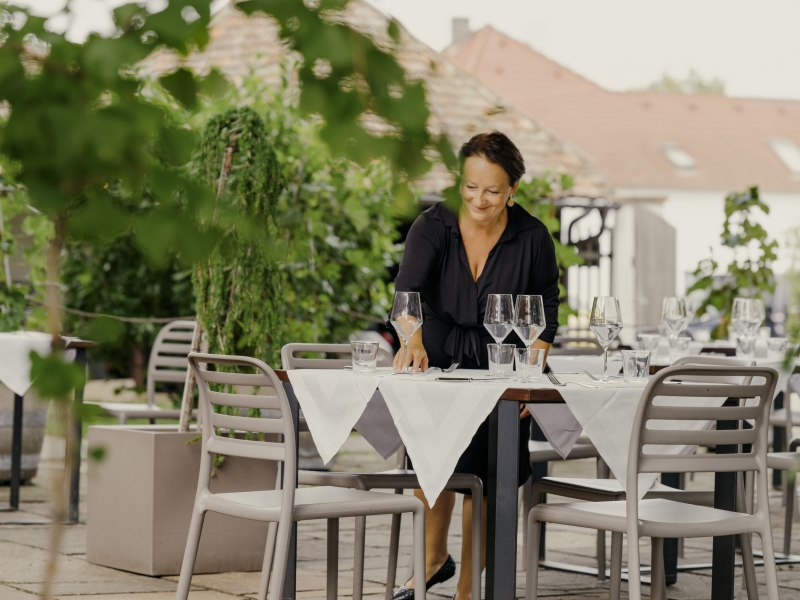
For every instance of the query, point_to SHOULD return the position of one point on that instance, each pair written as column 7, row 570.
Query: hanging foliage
column 238, row 288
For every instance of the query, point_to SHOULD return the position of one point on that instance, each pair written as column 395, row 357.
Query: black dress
column 435, row 265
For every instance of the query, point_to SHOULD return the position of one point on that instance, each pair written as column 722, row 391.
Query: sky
column 753, row 46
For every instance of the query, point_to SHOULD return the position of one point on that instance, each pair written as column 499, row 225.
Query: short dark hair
column 497, row 148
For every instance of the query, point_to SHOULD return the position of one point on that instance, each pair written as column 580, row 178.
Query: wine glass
column 747, row 314
column 674, row 316
column 605, row 322
column 529, row 321
column 499, row 316
column 406, row 317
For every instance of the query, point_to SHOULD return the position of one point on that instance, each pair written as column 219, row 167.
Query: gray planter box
column 140, row 499
column 34, row 419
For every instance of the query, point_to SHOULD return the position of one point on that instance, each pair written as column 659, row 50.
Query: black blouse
column 435, row 264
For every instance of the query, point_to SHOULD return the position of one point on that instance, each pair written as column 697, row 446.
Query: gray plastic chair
column 256, row 389
column 658, row 518
column 603, row 489
column 167, row 364
column 398, row 479
column 790, row 463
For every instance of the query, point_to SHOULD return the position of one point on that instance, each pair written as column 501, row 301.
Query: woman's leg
column 437, row 524
column 464, row 587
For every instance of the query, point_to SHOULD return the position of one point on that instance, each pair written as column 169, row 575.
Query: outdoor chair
column 655, row 430
column 336, row 356
column 790, row 463
column 263, row 422
column 604, row 489
column 167, row 364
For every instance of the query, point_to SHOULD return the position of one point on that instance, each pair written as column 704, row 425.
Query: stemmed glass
column 499, row 316
column 747, row 314
column 605, row 323
column 406, row 317
column 674, row 317
column 529, row 321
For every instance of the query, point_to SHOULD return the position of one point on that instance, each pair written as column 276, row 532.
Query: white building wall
column 698, row 216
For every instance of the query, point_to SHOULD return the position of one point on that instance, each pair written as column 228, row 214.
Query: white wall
column 698, row 217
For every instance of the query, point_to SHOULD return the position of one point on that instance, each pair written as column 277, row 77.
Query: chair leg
column 280, row 559
column 477, row 539
column 333, row 559
column 190, row 554
column 789, row 481
column 602, row 472
column 532, row 558
column 748, row 565
column 615, row 585
column 269, row 554
column 394, row 545
column 769, row 563
column 419, row 551
column 658, row 583
column 358, row 557
column 634, row 570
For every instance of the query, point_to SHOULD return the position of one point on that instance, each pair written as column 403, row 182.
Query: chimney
column 460, row 29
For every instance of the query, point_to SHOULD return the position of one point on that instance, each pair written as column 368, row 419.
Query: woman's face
column 485, row 189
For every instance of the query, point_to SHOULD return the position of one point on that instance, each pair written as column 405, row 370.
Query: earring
column 510, row 201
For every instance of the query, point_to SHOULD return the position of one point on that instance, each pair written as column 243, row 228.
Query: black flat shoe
column 445, row 572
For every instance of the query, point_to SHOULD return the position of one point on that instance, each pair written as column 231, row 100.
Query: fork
column 553, row 379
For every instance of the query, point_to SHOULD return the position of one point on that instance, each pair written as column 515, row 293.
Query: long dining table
column 501, row 487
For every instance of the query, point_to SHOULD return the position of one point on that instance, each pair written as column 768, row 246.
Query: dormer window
column 678, row 156
column 788, row 152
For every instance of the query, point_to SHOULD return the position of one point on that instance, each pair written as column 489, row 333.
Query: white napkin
column 437, row 427
column 15, row 362
column 579, row 364
column 607, row 416
column 332, row 402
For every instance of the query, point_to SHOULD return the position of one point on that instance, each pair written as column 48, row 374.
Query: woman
column 455, row 260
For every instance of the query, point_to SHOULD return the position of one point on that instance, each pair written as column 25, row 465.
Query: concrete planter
column 34, row 419
column 140, row 499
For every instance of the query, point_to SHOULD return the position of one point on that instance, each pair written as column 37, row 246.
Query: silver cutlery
column 553, row 379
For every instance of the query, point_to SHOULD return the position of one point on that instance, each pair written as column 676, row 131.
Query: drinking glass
column 406, row 317
column 528, row 363
column 674, row 316
column 635, row 365
column 499, row 316
column 365, row 355
column 605, row 322
column 501, row 359
column 529, row 321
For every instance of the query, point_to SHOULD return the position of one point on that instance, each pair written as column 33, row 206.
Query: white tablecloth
column 435, row 420
column 15, row 362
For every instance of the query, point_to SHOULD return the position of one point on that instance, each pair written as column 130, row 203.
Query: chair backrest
column 714, row 361
column 336, row 356
column 167, row 362
column 243, row 395
column 673, row 398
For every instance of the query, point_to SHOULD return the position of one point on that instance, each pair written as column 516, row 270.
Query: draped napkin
column 332, row 401
column 437, row 423
column 607, row 416
column 15, row 362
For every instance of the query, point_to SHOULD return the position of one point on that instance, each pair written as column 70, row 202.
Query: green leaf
column 53, row 377
column 183, row 87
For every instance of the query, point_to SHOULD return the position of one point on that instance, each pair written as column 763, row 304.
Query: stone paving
column 24, row 539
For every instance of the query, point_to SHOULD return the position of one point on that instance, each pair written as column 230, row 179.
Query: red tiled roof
column 460, row 105
column 625, row 132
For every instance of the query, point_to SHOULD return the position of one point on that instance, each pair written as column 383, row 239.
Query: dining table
column 418, row 406
column 15, row 366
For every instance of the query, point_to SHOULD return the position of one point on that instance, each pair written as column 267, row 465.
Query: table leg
column 501, row 526
column 290, row 581
column 77, row 433
column 724, row 547
column 16, row 454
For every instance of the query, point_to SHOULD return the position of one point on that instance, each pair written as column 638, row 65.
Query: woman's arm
column 544, row 281
column 417, row 270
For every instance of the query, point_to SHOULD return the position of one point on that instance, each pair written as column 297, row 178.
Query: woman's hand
column 414, row 355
